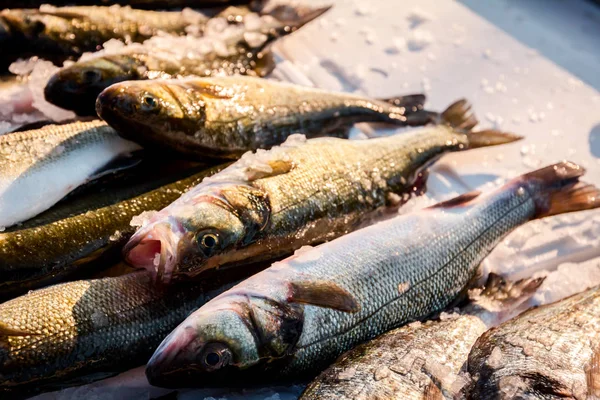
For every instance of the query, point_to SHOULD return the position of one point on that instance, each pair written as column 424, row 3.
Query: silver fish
column 293, row 319
column 421, row 360
column 39, row 167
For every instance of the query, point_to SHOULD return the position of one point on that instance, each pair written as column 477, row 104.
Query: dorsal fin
column 323, row 294
column 458, row 201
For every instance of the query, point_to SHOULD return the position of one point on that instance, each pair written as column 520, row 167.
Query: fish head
column 152, row 112
column 76, row 87
column 212, row 345
column 199, row 232
column 227, row 341
column 24, row 22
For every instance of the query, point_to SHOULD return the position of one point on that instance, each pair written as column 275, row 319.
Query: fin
column 500, row 294
column 592, row 375
column 6, row 330
column 556, row 189
column 323, row 294
column 265, row 63
column 295, row 17
column 116, row 165
column 460, row 200
column 412, row 102
column 459, row 115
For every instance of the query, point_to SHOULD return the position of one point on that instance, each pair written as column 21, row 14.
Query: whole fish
column 81, row 331
column 303, row 192
column 550, row 352
column 39, row 167
column 227, row 116
column 57, row 33
column 147, row 4
column 420, row 360
column 241, row 48
column 89, row 237
column 296, row 317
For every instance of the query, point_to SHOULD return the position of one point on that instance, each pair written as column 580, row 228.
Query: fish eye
column 215, row 356
column 209, row 240
column 90, row 76
column 149, row 103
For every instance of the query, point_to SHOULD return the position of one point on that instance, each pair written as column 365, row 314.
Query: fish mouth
column 170, row 357
column 154, row 248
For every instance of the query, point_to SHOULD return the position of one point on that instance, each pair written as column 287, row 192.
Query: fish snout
column 111, row 105
column 173, row 355
column 155, row 249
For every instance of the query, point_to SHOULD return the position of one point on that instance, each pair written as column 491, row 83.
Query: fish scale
column 544, row 351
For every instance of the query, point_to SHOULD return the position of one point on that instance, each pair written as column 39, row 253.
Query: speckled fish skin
column 146, row 4
column 57, row 33
column 76, row 87
column 273, row 202
column 77, row 332
column 545, row 353
column 82, row 243
column 293, row 319
column 227, row 116
column 39, row 167
column 421, row 360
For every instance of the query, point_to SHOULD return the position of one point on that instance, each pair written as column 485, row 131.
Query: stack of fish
column 272, row 263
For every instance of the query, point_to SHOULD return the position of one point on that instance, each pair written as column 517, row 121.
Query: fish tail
column 293, row 17
column 501, row 295
column 556, row 189
column 459, row 115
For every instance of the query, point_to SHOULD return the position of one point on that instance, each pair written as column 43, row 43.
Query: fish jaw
column 155, row 247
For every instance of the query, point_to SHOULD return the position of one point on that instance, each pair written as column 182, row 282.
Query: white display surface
column 530, row 67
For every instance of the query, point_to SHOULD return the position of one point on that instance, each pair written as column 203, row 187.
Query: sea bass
column 297, row 316
column 550, row 352
column 88, row 236
column 421, row 360
column 273, row 202
column 147, row 4
column 230, row 49
column 78, row 332
column 227, row 116
column 57, row 33
column 39, row 167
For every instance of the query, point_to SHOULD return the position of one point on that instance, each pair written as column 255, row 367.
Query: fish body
column 239, row 48
column 57, row 33
column 227, row 116
column 294, row 318
column 84, row 239
column 421, row 360
column 77, row 332
column 550, row 352
column 273, row 202
column 145, row 4
column 39, row 167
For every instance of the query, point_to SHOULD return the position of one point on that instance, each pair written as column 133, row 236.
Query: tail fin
column 556, row 189
column 411, row 102
column 294, row 17
column 459, row 115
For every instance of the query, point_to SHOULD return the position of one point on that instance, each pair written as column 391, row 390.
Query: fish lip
column 171, row 349
column 157, row 238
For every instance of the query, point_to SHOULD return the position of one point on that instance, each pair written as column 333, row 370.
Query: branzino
column 272, row 202
column 293, row 319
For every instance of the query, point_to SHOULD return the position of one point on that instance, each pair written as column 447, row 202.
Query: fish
column 60, row 33
column 228, row 116
column 87, row 233
column 293, row 319
column 77, row 332
column 41, row 166
column 143, row 4
column 306, row 191
column 549, row 352
column 241, row 48
column 422, row 360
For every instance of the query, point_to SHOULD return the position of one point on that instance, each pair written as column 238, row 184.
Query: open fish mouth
column 154, row 248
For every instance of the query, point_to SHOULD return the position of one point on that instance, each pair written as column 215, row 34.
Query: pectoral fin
column 323, row 294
